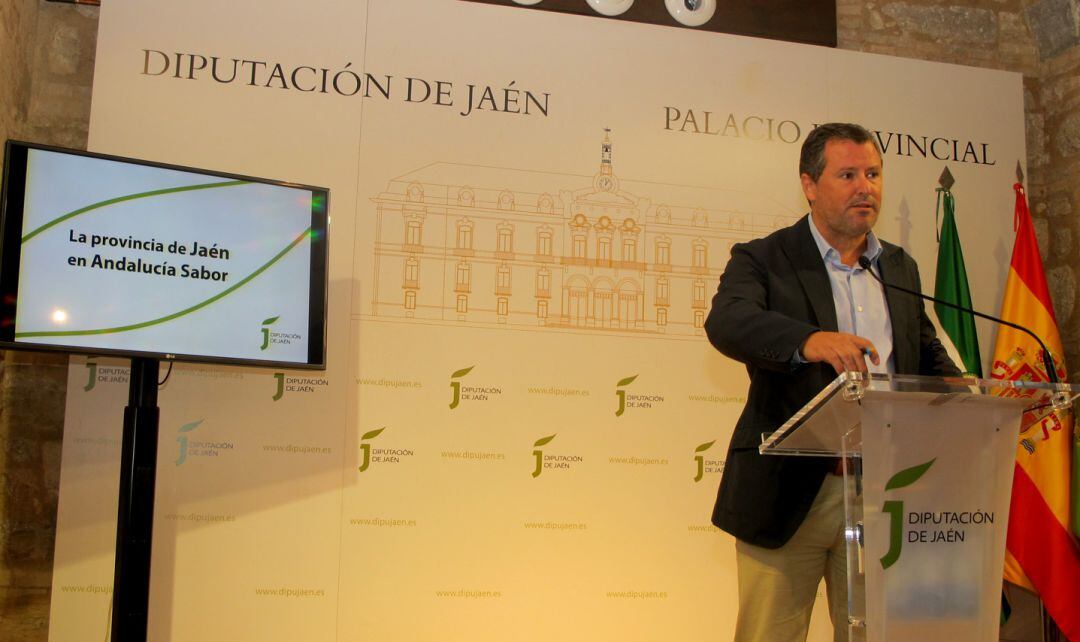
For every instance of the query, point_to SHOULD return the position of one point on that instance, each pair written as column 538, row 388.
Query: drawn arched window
column 663, row 252
column 629, row 249
column 462, row 304
column 543, row 282
column 506, row 200
column 543, row 241
column 663, row 214
column 542, row 309
column 699, row 318
column 661, row 316
column 505, row 238
column 662, row 291
column 410, row 300
column 464, row 234
column 603, row 247
column 578, row 249
column 701, row 254
column 699, row 293
column 737, row 220
column 503, row 305
column 464, row 277
column 699, row 219
column 415, row 193
column 412, row 273
column 466, row 197
column 502, row 278
column 413, row 232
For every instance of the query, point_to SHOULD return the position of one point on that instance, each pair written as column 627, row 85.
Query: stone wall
column 47, row 54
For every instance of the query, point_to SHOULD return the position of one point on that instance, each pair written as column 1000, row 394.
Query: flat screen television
column 106, row 255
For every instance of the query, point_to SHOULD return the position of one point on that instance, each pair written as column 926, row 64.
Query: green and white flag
column 952, row 285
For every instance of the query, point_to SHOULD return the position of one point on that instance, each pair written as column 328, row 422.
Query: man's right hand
column 844, row 352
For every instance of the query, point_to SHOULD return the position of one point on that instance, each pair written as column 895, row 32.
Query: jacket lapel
column 806, row 259
column 899, row 304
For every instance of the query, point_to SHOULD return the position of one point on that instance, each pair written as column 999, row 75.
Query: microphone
column 1048, row 361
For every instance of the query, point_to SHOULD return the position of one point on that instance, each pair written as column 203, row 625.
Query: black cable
column 167, row 373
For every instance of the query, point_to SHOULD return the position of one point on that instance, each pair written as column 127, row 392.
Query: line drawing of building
column 536, row 250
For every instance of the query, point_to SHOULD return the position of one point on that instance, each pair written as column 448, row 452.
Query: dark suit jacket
column 774, row 293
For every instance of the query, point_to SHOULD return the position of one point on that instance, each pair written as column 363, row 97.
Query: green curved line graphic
column 129, row 197
column 175, row 315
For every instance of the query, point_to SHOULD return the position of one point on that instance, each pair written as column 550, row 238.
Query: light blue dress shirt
column 859, row 299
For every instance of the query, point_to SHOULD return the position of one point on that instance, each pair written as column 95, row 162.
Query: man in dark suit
column 797, row 308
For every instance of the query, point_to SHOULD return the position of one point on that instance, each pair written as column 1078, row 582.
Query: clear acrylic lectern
column 926, row 493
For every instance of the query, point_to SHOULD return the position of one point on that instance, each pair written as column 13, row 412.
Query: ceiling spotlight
column 692, row 13
column 610, row 7
column 527, row 1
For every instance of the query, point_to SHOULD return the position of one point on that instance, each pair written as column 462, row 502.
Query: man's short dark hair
column 812, row 157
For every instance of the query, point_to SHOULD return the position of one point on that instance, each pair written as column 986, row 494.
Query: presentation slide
column 131, row 257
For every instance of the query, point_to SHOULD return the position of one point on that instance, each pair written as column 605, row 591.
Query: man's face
column 846, row 199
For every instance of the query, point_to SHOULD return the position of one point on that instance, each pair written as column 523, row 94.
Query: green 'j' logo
column 699, row 459
column 456, row 385
column 365, row 448
column 539, row 454
column 621, row 394
column 182, row 440
column 280, row 378
column 895, row 509
column 266, row 332
column 92, row 381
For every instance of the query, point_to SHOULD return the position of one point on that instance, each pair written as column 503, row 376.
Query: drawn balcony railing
column 502, row 290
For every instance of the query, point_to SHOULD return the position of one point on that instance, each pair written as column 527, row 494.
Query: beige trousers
column 777, row 587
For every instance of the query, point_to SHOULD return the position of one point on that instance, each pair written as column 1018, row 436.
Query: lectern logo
column 280, row 377
column 539, row 454
column 699, row 459
column 456, row 385
column 621, row 394
column 266, row 332
column 182, row 440
column 365, row 448
column 92, row 381
column 895, row 509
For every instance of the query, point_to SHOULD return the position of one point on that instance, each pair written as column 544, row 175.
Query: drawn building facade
column 539, row 250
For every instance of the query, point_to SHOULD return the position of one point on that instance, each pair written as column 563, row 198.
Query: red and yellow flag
column 1043, row 555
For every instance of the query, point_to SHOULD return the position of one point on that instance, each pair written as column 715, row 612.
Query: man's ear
column 809, row 187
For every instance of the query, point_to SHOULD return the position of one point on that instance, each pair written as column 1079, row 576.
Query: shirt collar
column 873, row 245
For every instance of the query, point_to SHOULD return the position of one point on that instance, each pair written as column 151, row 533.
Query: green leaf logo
column 544, row 440
column 189, row 427
column 703, row 447
column 462, row 372
column 271, row 320
column 626, row 382
column 372, row 434
column 908, row 476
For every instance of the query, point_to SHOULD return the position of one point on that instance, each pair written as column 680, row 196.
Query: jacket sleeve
column 748, row 321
